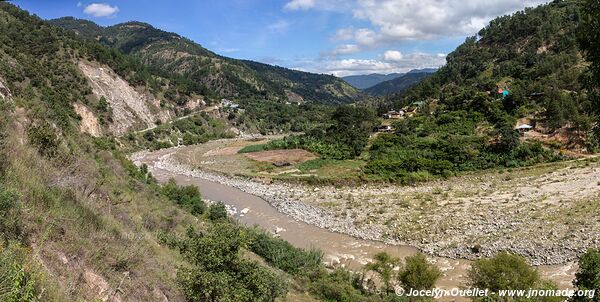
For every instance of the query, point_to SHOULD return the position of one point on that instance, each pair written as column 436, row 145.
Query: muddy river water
column 339, row 249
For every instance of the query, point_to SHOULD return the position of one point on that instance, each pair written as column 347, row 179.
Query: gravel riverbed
column 476, row 219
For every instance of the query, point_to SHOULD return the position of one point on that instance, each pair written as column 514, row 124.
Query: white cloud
column 345, row 49
column 101, row 10
column 343, row 34
column 299, row 5
column 392, row 55
column 398, row 20
column 402, row 63
column 393, row 21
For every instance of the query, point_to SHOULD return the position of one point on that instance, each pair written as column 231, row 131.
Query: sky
column 339, row 37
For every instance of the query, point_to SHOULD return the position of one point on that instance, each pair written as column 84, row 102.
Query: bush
column 218, row 273
column 418, row 273
column 504, row 271
column 188, row 197
column 588, row 274
column 339, row 285
column 16, row 283
column 217, row 211
column 282, row 255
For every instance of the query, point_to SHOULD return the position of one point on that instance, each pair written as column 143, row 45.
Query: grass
column 253, row 148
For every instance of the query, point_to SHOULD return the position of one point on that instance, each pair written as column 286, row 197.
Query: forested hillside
column 533, row 54
column 521, row 69
column 207, row 73
column 524, row 69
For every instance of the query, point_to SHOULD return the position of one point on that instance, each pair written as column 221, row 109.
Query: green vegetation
column 253, row 148
column 446, row 143
column 16, row 283
column 506, row 271
column 588, row 275
column 217, row 211
column 345, row 138
column 230, row 78
column 219, row 273
column 187, row 197
column 418, row 273
column 282, row 255
column 79, row 206
column 589, row 40
column 193, row 129
column 10, row 224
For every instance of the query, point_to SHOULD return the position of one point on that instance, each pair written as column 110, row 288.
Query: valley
column 469, row 216
column 137, row 164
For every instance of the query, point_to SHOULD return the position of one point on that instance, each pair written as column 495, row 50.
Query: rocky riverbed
column 549, row 217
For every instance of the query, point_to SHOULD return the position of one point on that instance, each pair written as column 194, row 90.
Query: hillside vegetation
column 206, row 73
column 460, row 119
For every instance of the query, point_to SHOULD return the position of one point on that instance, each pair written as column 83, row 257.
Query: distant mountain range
column 382, row 84
column 365, row 81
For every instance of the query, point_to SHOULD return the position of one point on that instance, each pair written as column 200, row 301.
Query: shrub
column 504, row 271
column 16, row 283
column 217, row 211
column 218, row 273
column 588, row 274
column 339, row 286
column 282, row 255
column 188, row 197
column 418, row 273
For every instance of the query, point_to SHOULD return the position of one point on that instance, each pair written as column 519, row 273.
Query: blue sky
column 340, row 37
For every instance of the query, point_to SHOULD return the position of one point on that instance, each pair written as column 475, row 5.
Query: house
column 394, row 115
column 225, row 103
column 524, row 128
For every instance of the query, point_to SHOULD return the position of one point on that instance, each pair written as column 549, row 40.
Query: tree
column 418, row 273
column 504, row 271
column 588, row 275
column 384, row 265
column 217, row 211
column 218, row 273
column 589, row 41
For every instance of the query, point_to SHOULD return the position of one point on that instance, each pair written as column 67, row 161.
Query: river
column 339, row 249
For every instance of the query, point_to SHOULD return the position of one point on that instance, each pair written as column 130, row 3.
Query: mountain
column 368, row 80
column 399, row 84
column 79, row 221
column 532, row 54
column 524, row 69
column 208, row 73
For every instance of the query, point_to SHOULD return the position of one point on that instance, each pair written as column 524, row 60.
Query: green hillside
column 525, row 68
column 209, row 73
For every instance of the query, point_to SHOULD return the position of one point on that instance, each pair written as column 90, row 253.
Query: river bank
column 467, row 221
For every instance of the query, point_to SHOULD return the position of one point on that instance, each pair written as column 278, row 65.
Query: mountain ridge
column 208, row 72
